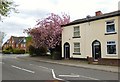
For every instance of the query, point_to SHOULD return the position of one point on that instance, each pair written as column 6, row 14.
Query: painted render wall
column 89, row 32
column 119, row 37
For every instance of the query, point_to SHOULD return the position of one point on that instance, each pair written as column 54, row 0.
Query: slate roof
column 93, row 18
column 18, row 39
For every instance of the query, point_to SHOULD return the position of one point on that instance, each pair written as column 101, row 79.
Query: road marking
column 74, row 75
column 88, row 77
column 23, row 69
column 69, row 75
column 28, row 70
column 53, row 73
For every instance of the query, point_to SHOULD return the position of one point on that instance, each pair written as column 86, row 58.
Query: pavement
column 76, row 63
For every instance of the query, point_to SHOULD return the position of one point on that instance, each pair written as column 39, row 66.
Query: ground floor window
column 77, row 48
column 111, row 47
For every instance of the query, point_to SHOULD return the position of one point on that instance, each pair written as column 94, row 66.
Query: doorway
column 66, row 50
column 96, row 50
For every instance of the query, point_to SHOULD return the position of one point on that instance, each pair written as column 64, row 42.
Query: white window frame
column 77, row 47
column 77, row 31
column 112, row 43
column 109, row 24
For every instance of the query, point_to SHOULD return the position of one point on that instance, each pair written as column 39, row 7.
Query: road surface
column 14, row 68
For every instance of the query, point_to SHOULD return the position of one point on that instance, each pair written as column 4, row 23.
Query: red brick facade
column 15, row 42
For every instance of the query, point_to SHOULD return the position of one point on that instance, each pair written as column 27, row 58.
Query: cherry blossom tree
column 47, row 32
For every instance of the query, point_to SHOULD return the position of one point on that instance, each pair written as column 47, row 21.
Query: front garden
column 43, row 51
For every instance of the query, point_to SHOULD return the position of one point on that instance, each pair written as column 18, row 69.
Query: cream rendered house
column 94, row 38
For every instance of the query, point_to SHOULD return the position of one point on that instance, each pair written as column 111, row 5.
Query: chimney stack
column 98, row 13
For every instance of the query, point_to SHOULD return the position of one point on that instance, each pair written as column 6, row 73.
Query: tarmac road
column 19, row 69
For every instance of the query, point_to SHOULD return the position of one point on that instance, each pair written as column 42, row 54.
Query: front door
column 66, row 50
column 96, row 50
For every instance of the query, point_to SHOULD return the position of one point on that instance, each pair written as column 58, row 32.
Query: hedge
column 9, row 50
column 18, row 51
column 6, row 52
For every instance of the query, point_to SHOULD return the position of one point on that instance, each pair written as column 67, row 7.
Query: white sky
column 32, row 10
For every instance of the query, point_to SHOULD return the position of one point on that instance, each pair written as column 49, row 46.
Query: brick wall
column 105, row 61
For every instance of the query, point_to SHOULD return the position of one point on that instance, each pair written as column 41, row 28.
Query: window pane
column 76, row 44
column 111, row 49
column 77, row 50
column 111, row 28
column 111, row 43
column 76, row 34
column 77, row 47
column 76, row 28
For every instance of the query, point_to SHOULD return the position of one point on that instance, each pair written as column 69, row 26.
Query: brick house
column 15, row 42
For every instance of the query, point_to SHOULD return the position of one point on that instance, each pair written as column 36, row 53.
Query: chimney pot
column 98, row 13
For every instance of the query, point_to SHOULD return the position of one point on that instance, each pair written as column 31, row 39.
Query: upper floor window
column 24, row 40
column 76, row 31
column 110, row 26
column 111, row 47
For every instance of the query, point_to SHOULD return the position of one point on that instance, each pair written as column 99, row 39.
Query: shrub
column 37, row 51
column 6, row 52
column 18, row 51
column 22, row 51
column 9, row 50
column 43, row 50
column 56, row 55
column 31, row 50
column 40, row 51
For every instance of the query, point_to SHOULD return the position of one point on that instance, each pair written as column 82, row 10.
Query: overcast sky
column 32, row 10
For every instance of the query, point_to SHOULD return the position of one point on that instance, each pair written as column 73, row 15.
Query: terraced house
column 94, row 38
column 15, row 42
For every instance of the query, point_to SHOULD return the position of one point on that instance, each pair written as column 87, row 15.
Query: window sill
column 110, row 33
column 111, row 55
column 76, row 53
column 77, row 37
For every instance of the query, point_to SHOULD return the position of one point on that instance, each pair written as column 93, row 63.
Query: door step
column 94, row 62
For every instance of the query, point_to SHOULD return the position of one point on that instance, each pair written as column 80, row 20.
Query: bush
column 37, row 51
column 56, row 55
column 10, row 50
column 31, row 50
column 6, row 52
column 40, row 51
column 18, row 51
